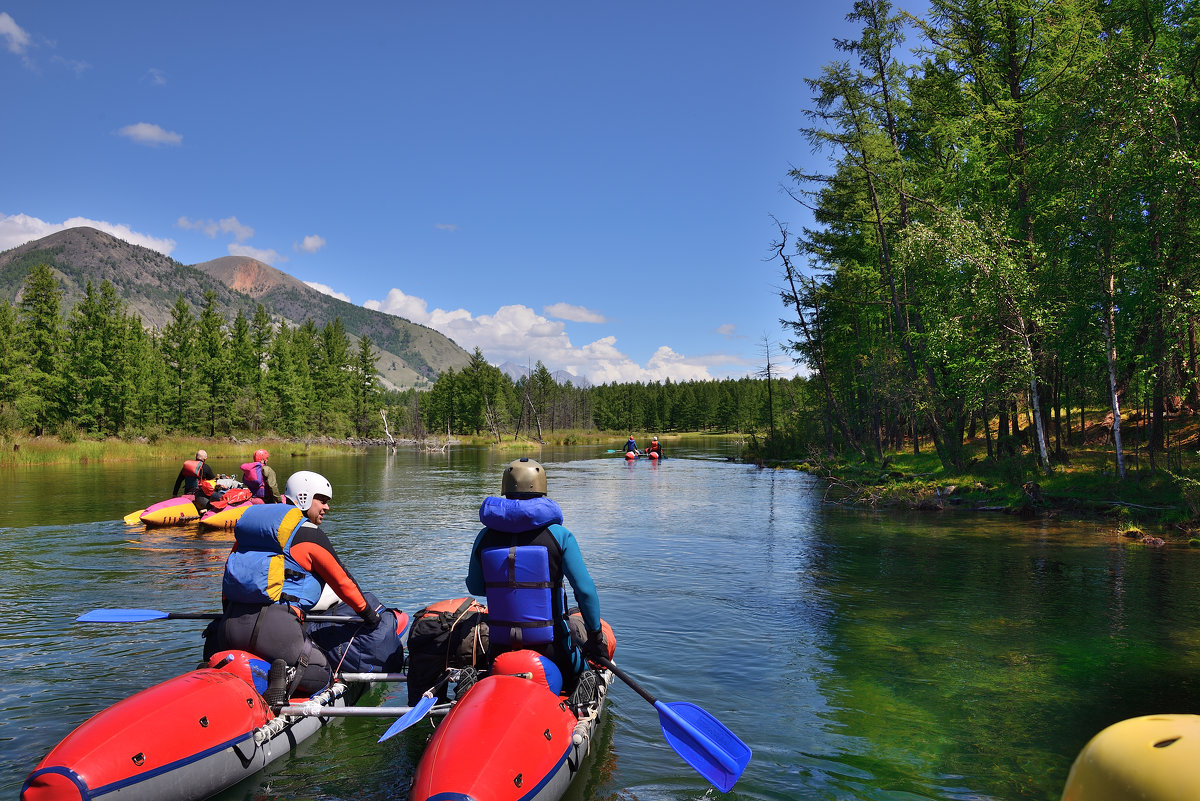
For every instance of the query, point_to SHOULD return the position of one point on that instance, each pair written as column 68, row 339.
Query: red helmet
column 261, row 455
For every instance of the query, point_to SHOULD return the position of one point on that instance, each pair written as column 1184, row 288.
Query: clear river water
column 862, row 655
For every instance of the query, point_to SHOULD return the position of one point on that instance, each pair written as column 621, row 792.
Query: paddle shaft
column 625, row 677
column 307, row 618
column 360, row 677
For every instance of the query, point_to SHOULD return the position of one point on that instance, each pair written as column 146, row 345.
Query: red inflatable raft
column 186, row 738
column 509, row 738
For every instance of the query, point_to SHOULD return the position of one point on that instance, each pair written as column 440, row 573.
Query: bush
column 68, row 431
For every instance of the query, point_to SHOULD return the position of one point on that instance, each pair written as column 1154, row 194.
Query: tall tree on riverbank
column 41, row 301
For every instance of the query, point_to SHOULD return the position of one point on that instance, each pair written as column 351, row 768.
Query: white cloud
column 155, row 77
column 229, row 225
column 311, row 244
column 15, row 38
column 328, row 290
column 446, row 226
column 729, row 331
column 267, row 256
column 575, row 314
column 17, row 229
column 145, row 133
column 77, row 67
column 519, row 334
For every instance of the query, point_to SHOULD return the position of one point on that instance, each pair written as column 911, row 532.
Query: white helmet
column 303, row 485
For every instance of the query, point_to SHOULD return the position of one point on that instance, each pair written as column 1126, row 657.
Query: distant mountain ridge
column 410, row 355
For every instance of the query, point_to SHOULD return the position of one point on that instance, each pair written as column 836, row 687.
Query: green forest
column 1006, row 228
column 96, row 370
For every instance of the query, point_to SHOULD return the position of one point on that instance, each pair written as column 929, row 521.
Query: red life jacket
column 191, row 471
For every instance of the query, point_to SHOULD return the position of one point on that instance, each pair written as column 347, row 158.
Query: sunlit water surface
column 861, row 655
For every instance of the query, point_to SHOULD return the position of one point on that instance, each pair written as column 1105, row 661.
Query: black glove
column 370, row 617
column 596, row 647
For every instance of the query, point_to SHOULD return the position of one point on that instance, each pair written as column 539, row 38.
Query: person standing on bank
column 519, row 561
column 198, row 479
column 280, row 563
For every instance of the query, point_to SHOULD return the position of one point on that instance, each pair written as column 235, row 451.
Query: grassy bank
column 29, row 451
column 1162, row 500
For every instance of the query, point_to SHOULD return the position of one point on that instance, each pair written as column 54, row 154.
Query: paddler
column 631, row 445
column 259, row 477
column 198, row 479
column 523, row 536
column 654, row 447
column 280, row 564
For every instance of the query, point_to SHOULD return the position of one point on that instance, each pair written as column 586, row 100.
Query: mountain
column 409, row 354
column 516, row 372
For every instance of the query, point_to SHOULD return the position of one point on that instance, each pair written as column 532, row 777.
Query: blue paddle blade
column 704, row 742
column 410, row 717
column 121, row 616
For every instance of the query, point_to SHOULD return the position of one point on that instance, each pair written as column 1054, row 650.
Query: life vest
column 526, row 600
column 252, row 477
column 191, row 478
column 261, row 570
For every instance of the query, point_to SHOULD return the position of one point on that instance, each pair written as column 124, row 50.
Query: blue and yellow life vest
column 261, row 569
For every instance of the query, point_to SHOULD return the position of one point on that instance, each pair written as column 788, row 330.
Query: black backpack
column 446, row 634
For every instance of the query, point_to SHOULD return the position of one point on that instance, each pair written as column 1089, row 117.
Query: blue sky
column 588, row 185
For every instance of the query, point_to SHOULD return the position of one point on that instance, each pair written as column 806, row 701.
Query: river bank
column 1155, row 501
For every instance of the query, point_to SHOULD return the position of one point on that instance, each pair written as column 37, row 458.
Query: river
column 862, row 655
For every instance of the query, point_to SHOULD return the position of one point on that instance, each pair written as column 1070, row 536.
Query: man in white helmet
column 262, row 614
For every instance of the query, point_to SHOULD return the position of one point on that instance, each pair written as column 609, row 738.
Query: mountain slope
column 409, row 354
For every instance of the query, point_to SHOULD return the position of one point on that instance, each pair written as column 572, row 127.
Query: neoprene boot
column 276, row 694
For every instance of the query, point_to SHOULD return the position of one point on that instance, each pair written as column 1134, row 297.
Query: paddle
column 143, row 615
column 712, row 750
column 414, row 714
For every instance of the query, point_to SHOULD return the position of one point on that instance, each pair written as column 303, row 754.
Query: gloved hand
column 370, row 617
column 596, row 647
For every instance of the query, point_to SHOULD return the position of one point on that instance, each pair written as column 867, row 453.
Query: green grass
column 29, row 451
column 1085, row 483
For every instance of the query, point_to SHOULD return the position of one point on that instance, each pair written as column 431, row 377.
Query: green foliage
column 1008, row 224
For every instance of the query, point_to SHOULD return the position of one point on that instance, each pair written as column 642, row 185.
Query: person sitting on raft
column 631, row 445
column 523, row 536
column 259, row 477
column 198, row 480
column 266, row 618
column 654, row 447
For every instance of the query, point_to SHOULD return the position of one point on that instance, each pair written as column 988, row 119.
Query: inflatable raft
column 223, row 514
column 171, row 512
column 510, row 737
column 188, row 737
column 1151, row 758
